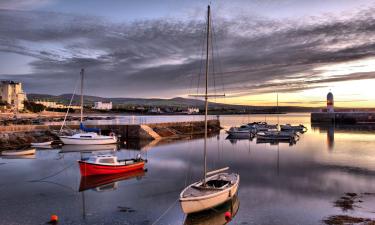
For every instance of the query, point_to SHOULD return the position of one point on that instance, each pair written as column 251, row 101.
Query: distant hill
column 159, row 102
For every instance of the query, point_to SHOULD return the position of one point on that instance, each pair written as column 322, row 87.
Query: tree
column 34, row 107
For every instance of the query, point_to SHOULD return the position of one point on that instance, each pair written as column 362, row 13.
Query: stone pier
column 343, row 117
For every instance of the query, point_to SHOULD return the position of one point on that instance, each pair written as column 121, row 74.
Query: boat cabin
column 103, row 159
column 89, row 135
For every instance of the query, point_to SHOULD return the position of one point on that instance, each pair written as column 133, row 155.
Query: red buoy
column 54, row 218
column 228, row 216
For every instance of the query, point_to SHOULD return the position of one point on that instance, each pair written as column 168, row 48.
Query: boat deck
column 197, row 190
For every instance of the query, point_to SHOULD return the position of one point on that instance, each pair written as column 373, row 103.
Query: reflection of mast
column 278, row 158
column 83, row 200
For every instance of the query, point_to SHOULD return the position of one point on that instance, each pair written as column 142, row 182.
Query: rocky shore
column 16, row 140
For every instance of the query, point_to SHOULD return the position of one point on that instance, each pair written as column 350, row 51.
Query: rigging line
column 165, row 212
column 218, row 57
column 212, row 57
column 202, row 55
column 52, row 175
column 201, row 62
column 70, row 103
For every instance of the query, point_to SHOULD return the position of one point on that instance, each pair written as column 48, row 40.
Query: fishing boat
column 29, row 151
column 298, row 128
column 216, row 187
column 109, row 164
column 89, row 136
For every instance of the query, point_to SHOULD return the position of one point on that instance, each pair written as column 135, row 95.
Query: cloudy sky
column 298, row 49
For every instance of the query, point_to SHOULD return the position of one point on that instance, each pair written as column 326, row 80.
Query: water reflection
column 105, row 182
column 343, row 131
column 18, row 156
column 89, row 148
column 280, row 184
column 216, row 215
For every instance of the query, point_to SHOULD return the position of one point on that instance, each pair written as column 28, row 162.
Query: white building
column 103, row 105
column 55, row 105
column 192, row 110
column 11, row 92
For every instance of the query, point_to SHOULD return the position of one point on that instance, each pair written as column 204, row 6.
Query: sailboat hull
column 80, row 141
column 201, row 203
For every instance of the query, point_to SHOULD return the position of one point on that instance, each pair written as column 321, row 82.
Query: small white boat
column 30, row 151
column 217, row 190
column 89, row 138
column 238, row 132
column 277, row 135
column 42, row 144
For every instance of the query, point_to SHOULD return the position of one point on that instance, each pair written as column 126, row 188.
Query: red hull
column 90, row 169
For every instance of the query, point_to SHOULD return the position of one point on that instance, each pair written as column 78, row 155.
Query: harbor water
column 281, row 183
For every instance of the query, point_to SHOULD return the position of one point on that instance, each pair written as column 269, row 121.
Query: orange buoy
column 228, row 216
column 54, row 218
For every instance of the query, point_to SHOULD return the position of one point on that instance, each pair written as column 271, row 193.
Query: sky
column 298, row 50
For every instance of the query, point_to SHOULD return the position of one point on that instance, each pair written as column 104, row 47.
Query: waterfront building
column 103, row 105
column 192, row 110
column 155, row 110
column 55, row 105
column 11, row 93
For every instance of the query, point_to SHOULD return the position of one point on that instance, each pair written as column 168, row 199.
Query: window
column 86, row 136
column 110, row 160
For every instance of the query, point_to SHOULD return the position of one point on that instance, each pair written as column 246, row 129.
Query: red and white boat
column 109, row 164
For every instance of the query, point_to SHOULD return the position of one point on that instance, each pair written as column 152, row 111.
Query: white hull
column 41, row 144
column 19, row 152
column 80, row 141
column 197, row 204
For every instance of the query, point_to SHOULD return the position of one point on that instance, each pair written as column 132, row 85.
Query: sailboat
column 89, row 136
column 216, row 187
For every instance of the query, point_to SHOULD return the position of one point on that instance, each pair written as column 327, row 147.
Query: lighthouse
column 330, row 103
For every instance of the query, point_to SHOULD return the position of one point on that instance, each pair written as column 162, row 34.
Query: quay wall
column 14, row 136
column 343, row 117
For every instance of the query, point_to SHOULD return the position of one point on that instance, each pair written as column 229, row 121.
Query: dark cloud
column 162, row 57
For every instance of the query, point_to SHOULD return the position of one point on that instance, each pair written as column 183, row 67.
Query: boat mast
column 206, row 96
column 82, row 72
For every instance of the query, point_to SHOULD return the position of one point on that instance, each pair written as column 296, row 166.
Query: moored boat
column 277, row 135
column 87, row 136
column 46, row 144
column 217, row 190
column 240, row 132
column 298, row 128
column 109, row 164
column 29, row 151
column 90, row 138
column 216, row 187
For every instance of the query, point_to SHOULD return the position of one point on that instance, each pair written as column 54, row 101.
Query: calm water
column 280, row 184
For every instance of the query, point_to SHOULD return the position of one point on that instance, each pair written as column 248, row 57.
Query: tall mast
column 82, row 73
column 206, row 96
